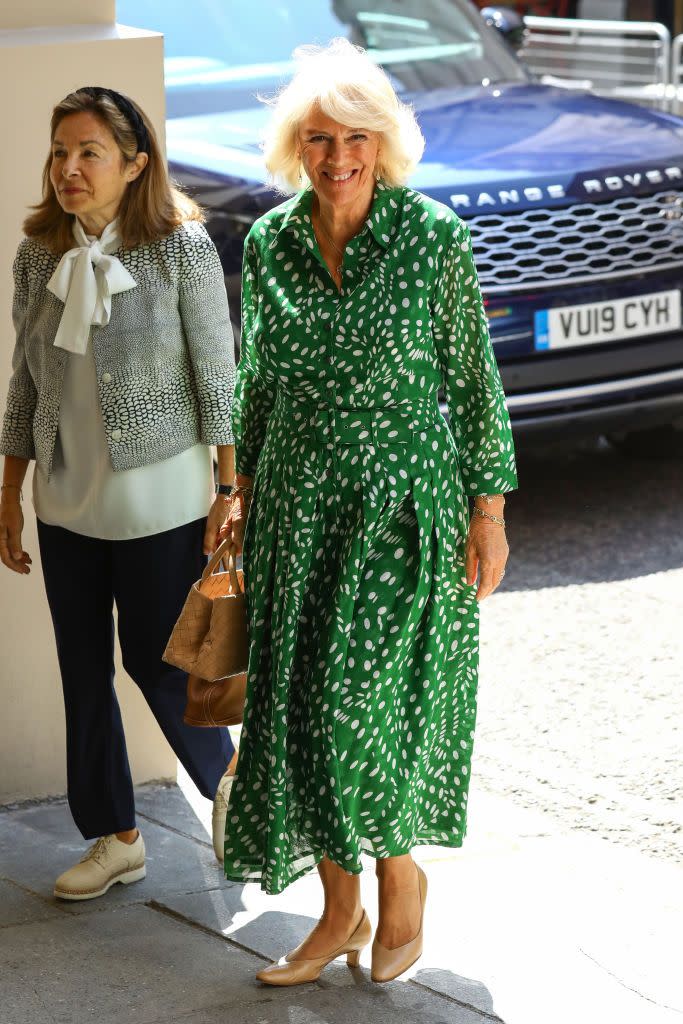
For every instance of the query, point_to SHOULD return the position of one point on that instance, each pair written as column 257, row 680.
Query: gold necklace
column 333, row 244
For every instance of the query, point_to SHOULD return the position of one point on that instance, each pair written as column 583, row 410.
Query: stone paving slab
column 520, row 912
column 371, row 1004
column 505, row 932
column 123, row 965
column 268, row 925
column 135, row 964
column 524, row 924
column 568, row 915
column 624, row 911
column 178, row 814
column 18, row 906
column 548, row 983
column 271, row 925
column 39, row 842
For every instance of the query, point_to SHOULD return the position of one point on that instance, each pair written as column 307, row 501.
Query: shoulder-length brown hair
column 152, row 206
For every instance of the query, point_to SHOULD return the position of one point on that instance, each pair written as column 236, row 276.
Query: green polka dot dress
column 362, row 680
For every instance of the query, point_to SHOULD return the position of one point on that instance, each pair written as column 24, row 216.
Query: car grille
column 538, row 247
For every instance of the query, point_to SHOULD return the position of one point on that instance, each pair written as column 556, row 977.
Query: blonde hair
column 343, row 81
column 152, row 206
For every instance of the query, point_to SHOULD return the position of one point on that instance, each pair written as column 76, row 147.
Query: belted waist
column 342, row 425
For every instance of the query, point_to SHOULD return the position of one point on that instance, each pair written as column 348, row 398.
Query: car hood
column 503, row 145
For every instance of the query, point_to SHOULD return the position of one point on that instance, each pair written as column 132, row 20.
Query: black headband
column 126, row 108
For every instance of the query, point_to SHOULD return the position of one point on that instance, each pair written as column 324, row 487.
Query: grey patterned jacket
column 165, row 361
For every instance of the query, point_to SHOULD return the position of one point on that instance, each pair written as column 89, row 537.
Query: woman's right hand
column 11, row 527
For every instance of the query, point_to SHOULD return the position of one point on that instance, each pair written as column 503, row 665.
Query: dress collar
column 385, row 213
column 381, row 222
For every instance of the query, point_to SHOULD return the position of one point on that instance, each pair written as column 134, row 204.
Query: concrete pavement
column 579, row 701
column 526, row 924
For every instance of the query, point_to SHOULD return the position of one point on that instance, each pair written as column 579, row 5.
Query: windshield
column 220, row 55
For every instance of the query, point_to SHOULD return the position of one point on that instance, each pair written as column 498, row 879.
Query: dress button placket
column 332, row 345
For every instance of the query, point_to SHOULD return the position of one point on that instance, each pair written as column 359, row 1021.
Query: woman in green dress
column 363, row 566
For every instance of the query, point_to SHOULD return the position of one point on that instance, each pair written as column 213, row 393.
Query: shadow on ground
column 590, row 514
column 182, row 946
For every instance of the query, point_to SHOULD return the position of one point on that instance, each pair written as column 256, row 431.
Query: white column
column 48, row 49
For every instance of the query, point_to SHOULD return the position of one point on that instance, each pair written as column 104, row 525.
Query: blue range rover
column 574, row 202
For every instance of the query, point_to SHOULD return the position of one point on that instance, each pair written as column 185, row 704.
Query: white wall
column 47, row 49
column 40, row 13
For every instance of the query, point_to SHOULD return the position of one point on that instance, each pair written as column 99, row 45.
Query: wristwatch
column 226, row 489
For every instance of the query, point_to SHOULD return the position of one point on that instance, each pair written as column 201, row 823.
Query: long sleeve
column 203, row 305
column 254, row 396
column 17, row 427
column 476, row 403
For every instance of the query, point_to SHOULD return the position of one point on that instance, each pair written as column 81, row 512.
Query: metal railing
column 676, row 105
column 627, row 60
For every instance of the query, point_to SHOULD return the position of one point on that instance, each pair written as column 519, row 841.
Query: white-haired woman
column 360, row 301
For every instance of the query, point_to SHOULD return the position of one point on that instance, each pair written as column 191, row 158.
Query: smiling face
column 88, row 171
column 339, row 160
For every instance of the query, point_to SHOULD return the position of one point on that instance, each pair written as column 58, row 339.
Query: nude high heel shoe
column 387, row 964
column 298, row 972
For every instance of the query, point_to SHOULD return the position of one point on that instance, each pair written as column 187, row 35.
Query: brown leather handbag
column 217, row 703
column 209, row 642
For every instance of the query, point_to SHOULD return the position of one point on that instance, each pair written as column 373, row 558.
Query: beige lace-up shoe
column 219, row 814
column 106, row 862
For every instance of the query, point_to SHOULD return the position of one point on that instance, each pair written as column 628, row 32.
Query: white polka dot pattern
column 362, row 682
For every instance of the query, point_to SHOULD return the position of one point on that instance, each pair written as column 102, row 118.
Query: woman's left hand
column 486, row 551
column 217, row 513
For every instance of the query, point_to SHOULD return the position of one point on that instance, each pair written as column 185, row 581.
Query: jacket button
column 106, row 378
column 116, row 435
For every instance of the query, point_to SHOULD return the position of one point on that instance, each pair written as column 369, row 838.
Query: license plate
column 594, row 322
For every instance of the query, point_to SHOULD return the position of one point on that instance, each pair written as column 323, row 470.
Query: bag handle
column 225, row 552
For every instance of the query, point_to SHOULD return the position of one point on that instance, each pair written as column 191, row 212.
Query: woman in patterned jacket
column 360, row 301
column 123, row 379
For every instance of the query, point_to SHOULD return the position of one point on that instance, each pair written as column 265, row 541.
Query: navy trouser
column 148, row 579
